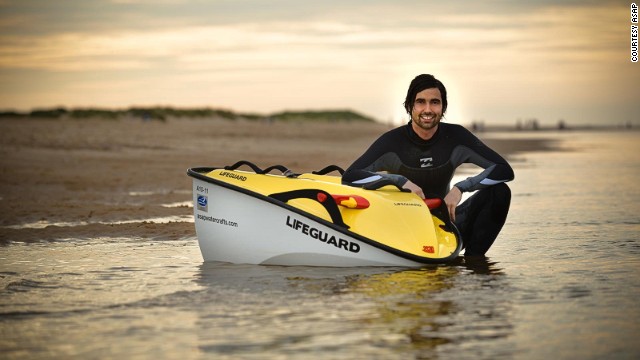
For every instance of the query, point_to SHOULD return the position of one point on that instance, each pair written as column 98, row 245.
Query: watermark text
column 634, row 33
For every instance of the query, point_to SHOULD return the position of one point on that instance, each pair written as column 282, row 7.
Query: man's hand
column 414, row 188
column 452, row 200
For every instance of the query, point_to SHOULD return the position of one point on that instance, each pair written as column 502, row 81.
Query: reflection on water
column 562, row 281
column 418, row 304
column 371, row 311
column 155, row 300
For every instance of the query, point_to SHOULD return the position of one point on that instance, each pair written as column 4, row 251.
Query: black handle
column 320, row 196
column 329, row 169
column 253, row 166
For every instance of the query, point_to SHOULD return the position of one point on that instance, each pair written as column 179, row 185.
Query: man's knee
column 498, row 193
column 501, row 192
column 501, row 202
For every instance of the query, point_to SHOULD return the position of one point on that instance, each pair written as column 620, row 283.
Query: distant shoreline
column 163, row 113
column 547, row 129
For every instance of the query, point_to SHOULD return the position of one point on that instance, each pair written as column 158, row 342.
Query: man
column 423, row 155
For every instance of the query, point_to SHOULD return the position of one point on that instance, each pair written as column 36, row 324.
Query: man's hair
column 421, row 82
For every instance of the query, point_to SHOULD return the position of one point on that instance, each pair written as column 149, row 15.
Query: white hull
column 239, row 228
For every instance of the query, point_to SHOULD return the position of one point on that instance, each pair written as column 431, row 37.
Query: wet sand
column 75, row 179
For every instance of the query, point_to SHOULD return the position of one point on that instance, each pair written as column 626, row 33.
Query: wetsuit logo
column 426, row 162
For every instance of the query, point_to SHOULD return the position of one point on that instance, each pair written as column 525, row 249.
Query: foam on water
column 41, row 224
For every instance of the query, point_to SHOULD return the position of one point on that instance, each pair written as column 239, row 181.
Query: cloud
column 502, row 59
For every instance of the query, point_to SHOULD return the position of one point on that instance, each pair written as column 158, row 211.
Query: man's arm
column 496, row 168
column 365, row 171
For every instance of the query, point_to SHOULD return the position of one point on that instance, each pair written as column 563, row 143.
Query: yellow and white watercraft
column 256, row 217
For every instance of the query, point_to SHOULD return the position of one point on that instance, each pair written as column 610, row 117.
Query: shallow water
column 562, row 282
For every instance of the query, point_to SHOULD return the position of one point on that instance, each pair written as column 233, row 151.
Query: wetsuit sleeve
column 496, row 168
column 365, row 171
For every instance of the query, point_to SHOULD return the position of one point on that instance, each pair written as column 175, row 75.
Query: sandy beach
column 100, row 258
column 64, row 179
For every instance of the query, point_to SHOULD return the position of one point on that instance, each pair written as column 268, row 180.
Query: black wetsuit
column 431, row 164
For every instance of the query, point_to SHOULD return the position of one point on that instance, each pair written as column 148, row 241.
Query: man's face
column 427, row 109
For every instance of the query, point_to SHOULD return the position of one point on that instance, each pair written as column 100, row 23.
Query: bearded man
column 423, row 155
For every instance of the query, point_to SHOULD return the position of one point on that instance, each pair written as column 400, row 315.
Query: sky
column 501, row 61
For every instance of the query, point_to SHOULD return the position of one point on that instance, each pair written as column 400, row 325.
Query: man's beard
column 428, row 125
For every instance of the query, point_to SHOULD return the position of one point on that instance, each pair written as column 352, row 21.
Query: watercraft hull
column 237, row 224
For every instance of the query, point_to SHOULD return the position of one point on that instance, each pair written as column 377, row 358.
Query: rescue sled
column 257, row 217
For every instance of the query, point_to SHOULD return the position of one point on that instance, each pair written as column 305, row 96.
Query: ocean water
column 562, row 281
